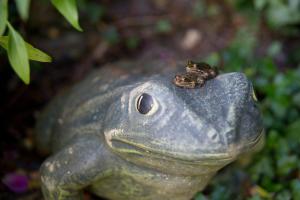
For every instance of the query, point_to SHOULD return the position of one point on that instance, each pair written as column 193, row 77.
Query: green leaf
column 23, row 8
column 163, row 26
column 200, row 197
column 95, row 11
column 292, row 131
column 263, row 167
column 3, row 15
column 199, row 8
column 274, row 49
column 132, row 42
column 213, row 59
column 294, row 4
column 17, row 54
column 220, row 193
column 68, row 9
column 283, row 195
column 255, row 197
column 36, row 54
column 281, row 15
column 286, row 164
column 260, row 4
column 295, row 184
column 33, row 53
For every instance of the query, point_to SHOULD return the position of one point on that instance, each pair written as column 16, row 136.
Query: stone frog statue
column 127, row 132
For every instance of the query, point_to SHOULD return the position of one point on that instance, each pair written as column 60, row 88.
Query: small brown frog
column 196, row 74
column 188, row 80
column 203, row 69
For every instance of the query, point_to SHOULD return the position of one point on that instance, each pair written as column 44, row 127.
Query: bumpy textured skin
column 101, row 143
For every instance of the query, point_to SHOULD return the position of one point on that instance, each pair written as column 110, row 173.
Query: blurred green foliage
column 132, row 42
column 202, row 9
column 94, row 11
column 281, row 15
column 111, row 35
column 163, row 26
column 274, row 173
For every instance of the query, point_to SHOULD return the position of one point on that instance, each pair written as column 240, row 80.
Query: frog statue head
column 184, row 131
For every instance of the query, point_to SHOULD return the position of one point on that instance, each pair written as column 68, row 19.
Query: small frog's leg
column 215, row 71
column 200, row 81
column 189, row 85
column 181, row 81
column 65, row 174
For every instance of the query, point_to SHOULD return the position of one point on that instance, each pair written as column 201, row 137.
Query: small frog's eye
column 144, row 103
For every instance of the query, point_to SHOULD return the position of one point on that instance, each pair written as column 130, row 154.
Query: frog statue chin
column 140, row 137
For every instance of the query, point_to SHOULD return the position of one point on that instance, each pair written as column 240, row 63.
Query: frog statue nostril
column 213, row 136
column 230, row 137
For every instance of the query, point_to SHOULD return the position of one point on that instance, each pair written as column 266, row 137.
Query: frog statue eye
column 144, row 103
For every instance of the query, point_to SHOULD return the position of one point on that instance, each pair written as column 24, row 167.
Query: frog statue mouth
column 134, row 150
column 190, row 131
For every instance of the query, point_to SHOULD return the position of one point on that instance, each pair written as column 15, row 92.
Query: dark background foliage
column 260, row 38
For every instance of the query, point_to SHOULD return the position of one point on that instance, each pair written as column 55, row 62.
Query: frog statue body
column 127, row 132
